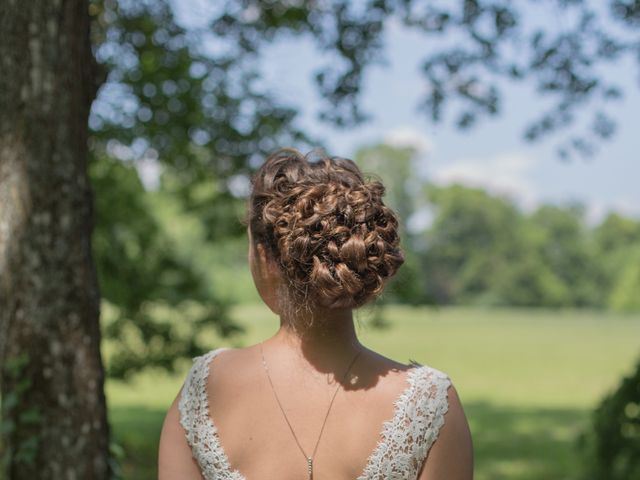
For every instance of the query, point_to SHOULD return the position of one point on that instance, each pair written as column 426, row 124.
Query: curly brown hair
column 326, row 226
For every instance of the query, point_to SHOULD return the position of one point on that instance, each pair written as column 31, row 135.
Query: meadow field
column 528, row 380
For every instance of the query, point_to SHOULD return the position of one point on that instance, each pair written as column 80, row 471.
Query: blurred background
column 506, row 134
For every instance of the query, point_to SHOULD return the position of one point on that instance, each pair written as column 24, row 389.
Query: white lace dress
column 403, row 445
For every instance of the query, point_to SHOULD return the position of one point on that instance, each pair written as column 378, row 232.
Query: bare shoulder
column 175, row 460
column 451, row 455
column 175, row 457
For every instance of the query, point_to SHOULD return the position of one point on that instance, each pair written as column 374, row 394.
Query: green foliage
column 617, row 232
column 625, row 295
column 480, row 249
column 116, row 459
column 495, row 43
column 618, row 248
column 204, row 120
column 566, row 249
column 201, row 114
column 529, row 282
column 473, row 241
column 21, row 448
column 612, row 447
column 140, row 269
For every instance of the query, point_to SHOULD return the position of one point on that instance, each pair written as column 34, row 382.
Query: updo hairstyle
column 327, row 228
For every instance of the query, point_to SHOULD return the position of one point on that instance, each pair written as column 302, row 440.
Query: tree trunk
column 54, row 420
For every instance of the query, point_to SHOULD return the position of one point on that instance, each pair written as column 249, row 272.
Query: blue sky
column 492, row 155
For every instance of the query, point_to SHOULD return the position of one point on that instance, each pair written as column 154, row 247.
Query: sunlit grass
column 527, row 380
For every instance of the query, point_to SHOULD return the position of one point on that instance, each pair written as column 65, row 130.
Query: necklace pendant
column 310, row 467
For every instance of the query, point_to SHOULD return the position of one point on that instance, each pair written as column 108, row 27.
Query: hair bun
column 327, row 227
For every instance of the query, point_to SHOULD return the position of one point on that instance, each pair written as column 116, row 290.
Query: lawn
column 527, row 379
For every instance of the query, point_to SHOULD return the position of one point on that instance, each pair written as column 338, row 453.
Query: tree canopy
column 471, row 49
column 192, row 100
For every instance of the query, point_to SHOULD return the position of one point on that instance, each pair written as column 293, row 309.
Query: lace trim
column 407, row 437
column 404, row 442
column 201, row 432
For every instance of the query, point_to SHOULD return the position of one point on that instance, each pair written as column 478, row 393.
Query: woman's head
column 324, row 230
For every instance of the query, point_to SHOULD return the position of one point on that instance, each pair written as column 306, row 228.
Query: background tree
column 611, row 447
column 473, row 239
column 617, row 241
column 397, row 167
column 565, row 249
column 205, row 117
column 207, row 120
column 472, row 48
column 625, row 294
column 53, row 407
column 140, row 268
column 202, row 118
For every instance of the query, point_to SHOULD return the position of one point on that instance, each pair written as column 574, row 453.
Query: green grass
column 527, row 379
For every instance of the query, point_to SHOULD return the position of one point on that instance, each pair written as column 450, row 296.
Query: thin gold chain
column 309, row 459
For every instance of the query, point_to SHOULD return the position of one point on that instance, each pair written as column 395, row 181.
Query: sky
column 493, row 155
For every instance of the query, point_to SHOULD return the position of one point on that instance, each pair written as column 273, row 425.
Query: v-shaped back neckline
column 399, row 407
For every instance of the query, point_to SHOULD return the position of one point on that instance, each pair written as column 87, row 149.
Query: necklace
column 308, row 458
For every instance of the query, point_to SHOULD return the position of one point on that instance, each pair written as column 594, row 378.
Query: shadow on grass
column 137, row 431
column 525, row 443
column 509, row 442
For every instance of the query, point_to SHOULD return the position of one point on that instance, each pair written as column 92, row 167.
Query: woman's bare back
column 322, row 243
column 256, row 436
column 253, row 441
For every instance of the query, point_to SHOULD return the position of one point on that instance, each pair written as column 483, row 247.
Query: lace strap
column 201, row 433
column 193, row 401
column 432, row 403
column 406, row 438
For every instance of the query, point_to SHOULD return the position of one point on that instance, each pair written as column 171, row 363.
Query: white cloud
column 504, row 173
column 409, row 137
column 597, row 211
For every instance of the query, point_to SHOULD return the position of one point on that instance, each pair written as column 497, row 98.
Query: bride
column 312, row 402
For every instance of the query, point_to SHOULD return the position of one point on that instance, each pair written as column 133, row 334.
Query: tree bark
column 51, row 376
